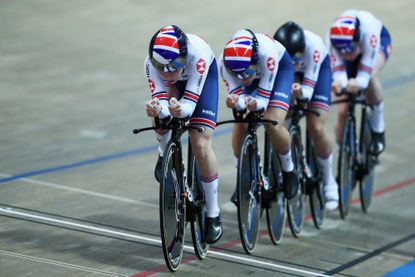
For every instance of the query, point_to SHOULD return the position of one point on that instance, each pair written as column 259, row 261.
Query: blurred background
column 72, row 87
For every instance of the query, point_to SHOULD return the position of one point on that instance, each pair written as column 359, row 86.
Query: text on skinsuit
column 281, row 94
column 208, row 112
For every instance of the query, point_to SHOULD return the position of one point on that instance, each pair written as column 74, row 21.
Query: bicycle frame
column 307, row 181
column 299, row 111
column 250, row 179
column 355, row 149
column 176, row 196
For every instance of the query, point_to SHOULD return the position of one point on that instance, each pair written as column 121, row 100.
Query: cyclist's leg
column 205, row 116
column 323, row 149
column 320, row 102
column 277, row 109
column 207, row 166
column 280, row 138
column 374, row 94
column 208, row 170
column 281, row 142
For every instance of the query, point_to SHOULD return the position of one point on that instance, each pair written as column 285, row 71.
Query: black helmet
column 291, row 35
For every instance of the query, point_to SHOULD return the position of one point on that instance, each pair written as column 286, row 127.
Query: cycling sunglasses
column 348, row 49
column 174, row 65
column 297, row 57
column 247, row 73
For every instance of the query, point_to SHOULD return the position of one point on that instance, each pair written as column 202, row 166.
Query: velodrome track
column 77, row 195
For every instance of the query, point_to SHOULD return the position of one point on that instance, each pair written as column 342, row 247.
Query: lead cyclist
column 183, row 78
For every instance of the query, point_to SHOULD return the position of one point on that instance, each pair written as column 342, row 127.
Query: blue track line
column 398, row 81
column 119, row 155
column 387, row 85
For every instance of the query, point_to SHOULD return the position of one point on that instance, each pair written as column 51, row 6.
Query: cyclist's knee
column 201, row 142
column 316, row 124
column 374, row 93
column 316, row 128
column 273, row 128
column 275, row 114
column 200, row 147
column 278, row 133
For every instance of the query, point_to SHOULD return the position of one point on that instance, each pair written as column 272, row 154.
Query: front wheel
column 172, row 207
column 198, row 220
column 368, row 162
column 276, row 207
column 346, row 170
column 296, row 205
column 249, row 195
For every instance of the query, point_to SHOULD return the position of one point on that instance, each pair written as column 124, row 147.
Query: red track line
column 388, row 189
column 162, row 268
column 229, row 244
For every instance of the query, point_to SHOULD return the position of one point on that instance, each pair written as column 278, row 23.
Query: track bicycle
column 308, row 172
column 356, row 161
column 258, row 188
column 181, row 196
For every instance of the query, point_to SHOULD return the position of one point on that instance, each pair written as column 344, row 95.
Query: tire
column 172, row 207
column 315, row 186
column 249, row 195
column 198, row 219
column 368, row 162
column 276, row 201
column 296, row 205
column 346, row 171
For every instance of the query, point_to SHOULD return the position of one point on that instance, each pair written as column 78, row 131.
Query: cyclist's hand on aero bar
column 153, row 108
column 232, row 101
column 352, row 86
column 251, row 104
column 175, row 107
column 336, row 87
column 297, row 91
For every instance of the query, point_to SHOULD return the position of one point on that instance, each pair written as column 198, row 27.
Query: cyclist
column 258, row 73
column 360, row 46
column 183, row 79
column 313, row 84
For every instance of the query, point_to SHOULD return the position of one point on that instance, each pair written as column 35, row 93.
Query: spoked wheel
column 296, row 205
column 315, row 186
column 346, row 171
column 276, row 201
column 198, row 220
column 368, row 176
column 172, row 207
column 249, row 195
